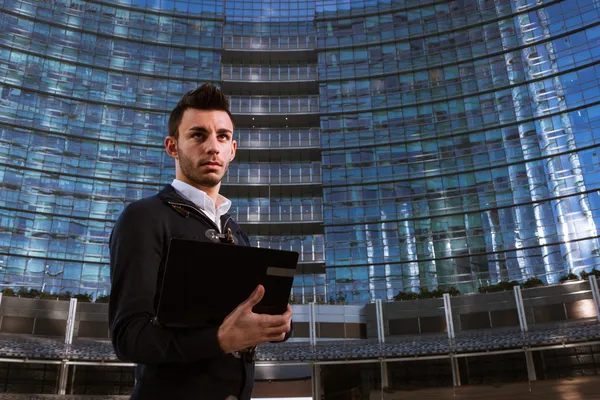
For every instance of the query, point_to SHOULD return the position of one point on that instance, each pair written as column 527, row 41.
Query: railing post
column 312, row 323
column 595, row 293
column 71, row 321
column 448, row 312
column 70, row 328
column 520, row 309
column 380, row 324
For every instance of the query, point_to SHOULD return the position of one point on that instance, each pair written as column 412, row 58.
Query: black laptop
column 204, row 281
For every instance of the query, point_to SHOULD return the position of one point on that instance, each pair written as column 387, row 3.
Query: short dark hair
column 206, row 97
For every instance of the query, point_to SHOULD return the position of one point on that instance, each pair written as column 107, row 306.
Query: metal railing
column 274, row 104
column 282, row 137
column 457, row 345
column 276, row 215
column 305, row 173
column 232, row 42
column 263, row 178
column 267, row 73
column 310, row 247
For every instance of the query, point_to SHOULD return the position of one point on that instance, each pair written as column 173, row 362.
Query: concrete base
column 570, row 389
column 266, row 389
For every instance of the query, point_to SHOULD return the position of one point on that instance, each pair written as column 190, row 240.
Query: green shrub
column 425, row 293
column 105, row 298
column 586, row 275
column 65, row 295
column 498, row 287
column 340, row 298
column 452, row 291
column 49, row 296
column 28, row 293
column 569, row 277
column 406, row 296
column 8, row 292
column 83, row 297
column 533, row 282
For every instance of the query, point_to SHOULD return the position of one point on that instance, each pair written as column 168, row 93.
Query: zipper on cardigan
column 225, row 224
column 178, row 208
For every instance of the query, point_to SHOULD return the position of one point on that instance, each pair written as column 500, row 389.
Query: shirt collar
column 200, row 198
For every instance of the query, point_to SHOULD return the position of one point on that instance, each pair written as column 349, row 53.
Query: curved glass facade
column 459, row 142
column 84, row 93
column 395, row 144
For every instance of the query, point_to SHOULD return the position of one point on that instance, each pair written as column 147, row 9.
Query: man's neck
column 212, row 192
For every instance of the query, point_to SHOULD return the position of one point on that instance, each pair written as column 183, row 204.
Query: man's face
column 204, row 148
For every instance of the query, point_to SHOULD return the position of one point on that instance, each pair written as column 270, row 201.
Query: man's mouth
column 212, row 164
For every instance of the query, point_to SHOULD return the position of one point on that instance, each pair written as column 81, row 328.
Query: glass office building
column 395, row 144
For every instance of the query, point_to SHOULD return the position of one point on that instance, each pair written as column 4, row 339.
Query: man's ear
column 171, row 146
column 233, row 149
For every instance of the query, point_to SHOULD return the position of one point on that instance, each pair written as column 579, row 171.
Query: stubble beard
column 193, row 173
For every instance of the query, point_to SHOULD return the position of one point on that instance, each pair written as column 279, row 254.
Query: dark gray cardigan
column 172, row 363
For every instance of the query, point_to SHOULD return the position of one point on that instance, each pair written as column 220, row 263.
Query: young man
column 204, row 363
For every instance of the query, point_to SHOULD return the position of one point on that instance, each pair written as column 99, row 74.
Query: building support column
column 385, row 380
column 531, row 375
column 62, row 380
column 455, row 371
column 316, row 382
column 73, row 370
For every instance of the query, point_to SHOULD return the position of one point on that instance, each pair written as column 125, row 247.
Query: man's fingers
column 275, row 337
column 255, row 297
column 276, row 330
column 267, row 320
column 288, row 313
column 273, row 321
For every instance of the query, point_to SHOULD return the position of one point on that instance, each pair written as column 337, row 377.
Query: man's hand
column 244, row 328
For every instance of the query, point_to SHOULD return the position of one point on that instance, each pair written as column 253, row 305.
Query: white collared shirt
column 203, row 202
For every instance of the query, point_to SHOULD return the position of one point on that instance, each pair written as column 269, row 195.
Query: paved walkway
column 585, row 388
column 15, row 396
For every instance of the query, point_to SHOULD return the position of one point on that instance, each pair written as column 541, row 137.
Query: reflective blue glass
column 455, row 139
column 395, row 144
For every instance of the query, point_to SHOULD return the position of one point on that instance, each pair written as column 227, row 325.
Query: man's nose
column 212, row 144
